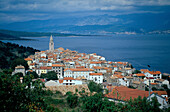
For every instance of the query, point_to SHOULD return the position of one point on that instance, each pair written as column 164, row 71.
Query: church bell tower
column 51, row 44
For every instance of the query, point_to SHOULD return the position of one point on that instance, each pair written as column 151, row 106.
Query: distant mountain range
column 103, row 24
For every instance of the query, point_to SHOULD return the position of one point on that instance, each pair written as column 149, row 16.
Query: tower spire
column 51, row 44
column 51, row 38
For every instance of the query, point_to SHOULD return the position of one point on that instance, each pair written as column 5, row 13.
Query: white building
column 71, row 81
column 154, row 74
column 78, row 72
column 96, row 77
column 123, row 81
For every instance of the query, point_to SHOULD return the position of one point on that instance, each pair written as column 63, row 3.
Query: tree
column 52, row 75
column 34, row 74
column 72, row 100
column 19, row 61
column 94, row 87
column 19, row 74
column 96, row 103
column 17, row 96
column 155, row 105
column 43, row 76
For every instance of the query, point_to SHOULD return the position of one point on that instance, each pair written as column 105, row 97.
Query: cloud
column 75, row 5
column 35, row 8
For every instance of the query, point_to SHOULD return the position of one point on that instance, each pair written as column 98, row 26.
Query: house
column 154, row 74
column 123, row 94
column 160, row 99
column 43, row 70
column 139, row 75
column 29, row 60
column 59, row 69
column 100, row 69
column 161, row 93
column 78, row 72
column 138, row 85
column 95, row 63
column 71, row 81
column 120, row 80
column 144, row 70
column 147, row 79
column 96, row 77
column 162, row 82
column 19, row 69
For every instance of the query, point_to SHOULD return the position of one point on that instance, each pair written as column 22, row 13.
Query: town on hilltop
column 75, row 70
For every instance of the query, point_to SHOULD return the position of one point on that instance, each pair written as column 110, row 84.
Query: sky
column 26, row 10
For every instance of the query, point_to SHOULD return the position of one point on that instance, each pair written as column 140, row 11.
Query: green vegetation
column 34, row 74
column 19, row 61
column 72, row 100
column 10, row 52
column 50, row 76
column 94, row 87
column 30, row 96
column 17, row 96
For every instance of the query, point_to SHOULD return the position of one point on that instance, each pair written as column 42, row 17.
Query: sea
column 139, row 50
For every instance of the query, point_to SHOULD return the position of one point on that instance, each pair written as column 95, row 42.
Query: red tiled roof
column 46, row 68
column 95, row 62
column 57, row 65
column 125, row 93
column 95, row 74
column 140, row 75
column 144, row 70
column 97, row 67
column 28, row 59
column 33, row 64
column 154, row 83
column 120, row 62
column 119, row 76
column 79, row 69
column 20, row 67
column 154, row 72
column 160, row 92
column 68, row 78
column 43, row 51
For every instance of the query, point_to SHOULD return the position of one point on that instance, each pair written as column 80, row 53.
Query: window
column 67, row 80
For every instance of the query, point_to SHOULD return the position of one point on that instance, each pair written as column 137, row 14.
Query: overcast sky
column 25, row 10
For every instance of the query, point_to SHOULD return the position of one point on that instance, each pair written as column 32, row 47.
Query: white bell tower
column 51, row 44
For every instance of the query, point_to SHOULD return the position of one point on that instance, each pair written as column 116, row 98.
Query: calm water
column 140, row 50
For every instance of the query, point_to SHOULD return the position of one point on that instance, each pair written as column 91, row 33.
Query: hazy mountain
column 138, row 23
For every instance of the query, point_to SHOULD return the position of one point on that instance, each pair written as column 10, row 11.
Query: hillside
column 9, row 52
column 8, row 37
column 142, row 23
column 18, row 34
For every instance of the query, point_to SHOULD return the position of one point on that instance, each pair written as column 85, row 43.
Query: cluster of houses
column 73, row 68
